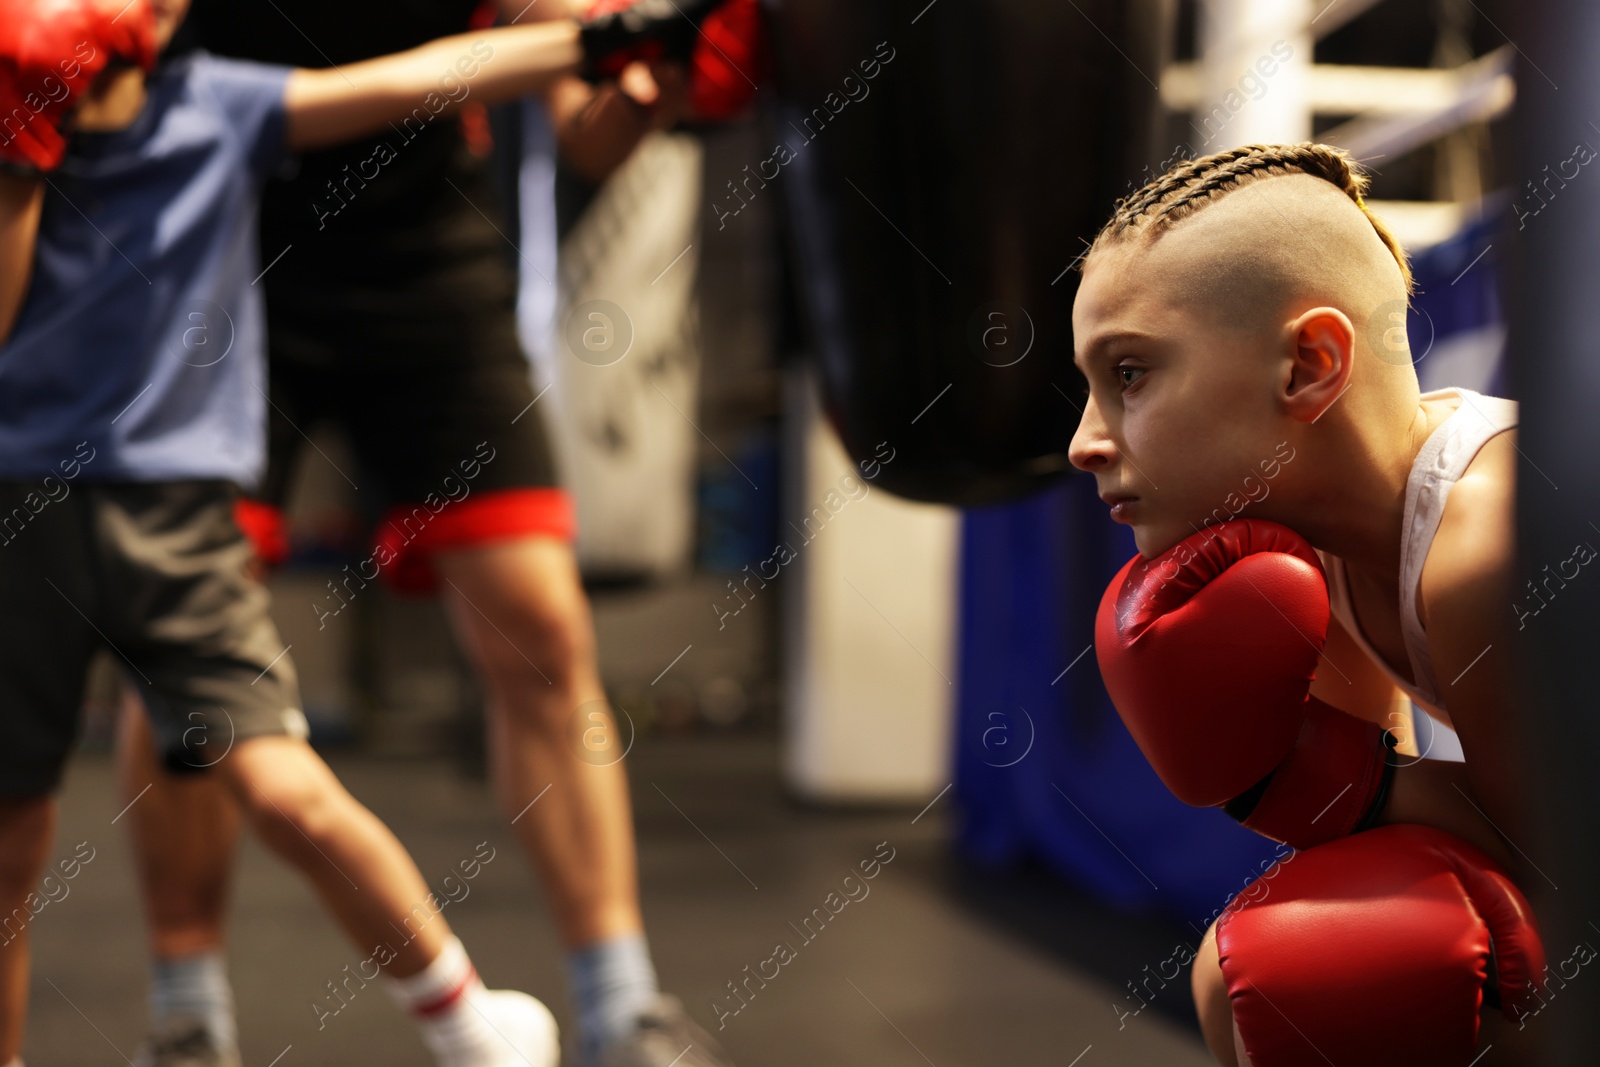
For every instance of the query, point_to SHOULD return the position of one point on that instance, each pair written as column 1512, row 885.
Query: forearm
column 596, row 129
column 327, row 107
column 522, row 12
column 21, row 199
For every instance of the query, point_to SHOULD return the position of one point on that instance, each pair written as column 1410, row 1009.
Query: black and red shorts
column 426, row 376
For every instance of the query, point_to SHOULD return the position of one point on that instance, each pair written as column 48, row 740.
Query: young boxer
column 1235, row 324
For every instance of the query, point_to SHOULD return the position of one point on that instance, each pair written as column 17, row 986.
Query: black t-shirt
column 402, row 210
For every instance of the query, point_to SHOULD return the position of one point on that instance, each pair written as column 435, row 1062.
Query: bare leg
column 1239, row 1053
column 26, row 828
column 363, row 873
column 184, row 828
column 521, row 614
column 1213, row 1006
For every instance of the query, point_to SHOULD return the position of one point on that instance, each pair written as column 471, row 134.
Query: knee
column 26, row 827
column 290, row 810
column 544, row 646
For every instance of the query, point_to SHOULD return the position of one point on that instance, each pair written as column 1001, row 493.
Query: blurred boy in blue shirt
column 131, row 406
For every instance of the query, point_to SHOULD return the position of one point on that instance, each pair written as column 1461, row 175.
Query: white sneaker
column 527, row 1032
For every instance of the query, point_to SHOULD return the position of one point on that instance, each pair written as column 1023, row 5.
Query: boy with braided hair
column 1233, row 324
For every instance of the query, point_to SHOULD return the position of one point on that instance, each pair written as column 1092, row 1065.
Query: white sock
column 197, row 986
column 446, row 1000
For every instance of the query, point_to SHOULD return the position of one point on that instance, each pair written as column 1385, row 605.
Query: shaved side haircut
column 1193, row 184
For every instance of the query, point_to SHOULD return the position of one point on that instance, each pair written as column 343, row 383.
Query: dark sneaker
column 666, row 1037
column 183, row 1042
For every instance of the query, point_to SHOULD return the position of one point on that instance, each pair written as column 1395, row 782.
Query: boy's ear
column 1323, row 343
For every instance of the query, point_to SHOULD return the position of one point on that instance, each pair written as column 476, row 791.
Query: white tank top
column 1441, row 463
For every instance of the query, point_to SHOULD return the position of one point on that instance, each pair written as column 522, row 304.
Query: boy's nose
column 1091, row 448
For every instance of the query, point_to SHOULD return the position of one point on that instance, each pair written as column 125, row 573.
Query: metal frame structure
column 1396, row 109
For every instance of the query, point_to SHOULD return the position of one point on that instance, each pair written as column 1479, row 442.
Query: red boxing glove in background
column 720, row 44
column 729, row 61
column 51, row 51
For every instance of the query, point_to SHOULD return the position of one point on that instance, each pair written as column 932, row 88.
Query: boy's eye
column 1122, row 370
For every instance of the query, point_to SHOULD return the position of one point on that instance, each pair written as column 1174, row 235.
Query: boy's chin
column 1154, row 538
column 1150, row 541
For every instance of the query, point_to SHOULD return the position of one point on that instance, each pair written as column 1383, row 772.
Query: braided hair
column 1188, row 186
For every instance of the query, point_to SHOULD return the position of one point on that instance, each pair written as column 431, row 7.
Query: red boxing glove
column 50, row 53
column 265, row 527
column 719, row 41
column 729, row 61
column 1375, row 949
column 1208, row 651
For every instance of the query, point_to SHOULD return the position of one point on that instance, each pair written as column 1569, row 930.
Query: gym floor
column 939, row 964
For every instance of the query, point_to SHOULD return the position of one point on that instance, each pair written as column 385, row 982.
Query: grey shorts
column 159, row 574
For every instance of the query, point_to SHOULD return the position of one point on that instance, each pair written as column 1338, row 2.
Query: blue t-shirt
column 142, row 332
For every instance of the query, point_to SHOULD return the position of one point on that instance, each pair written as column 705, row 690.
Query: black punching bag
column 943, row 165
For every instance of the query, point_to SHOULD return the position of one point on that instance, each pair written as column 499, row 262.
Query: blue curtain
column 1044, row 767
